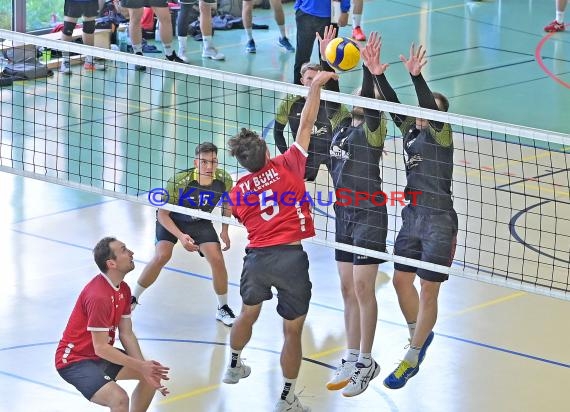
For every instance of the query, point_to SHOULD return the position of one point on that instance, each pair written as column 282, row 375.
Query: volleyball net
column 124, row 133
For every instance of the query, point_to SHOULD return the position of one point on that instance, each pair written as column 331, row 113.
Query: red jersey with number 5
column 272, row 203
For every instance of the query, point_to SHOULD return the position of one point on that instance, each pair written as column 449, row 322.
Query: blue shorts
column 88, row 376
column 429, row 237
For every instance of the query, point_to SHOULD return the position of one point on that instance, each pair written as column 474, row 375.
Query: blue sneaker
column 250, row 47
column 424, row 348
column 286, row 44
column 400, row 376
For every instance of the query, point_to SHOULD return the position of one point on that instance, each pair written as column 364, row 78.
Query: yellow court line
column 211, row 388
column 190, row 394
column 337, row 349
column 483, row 305
column 326, row 352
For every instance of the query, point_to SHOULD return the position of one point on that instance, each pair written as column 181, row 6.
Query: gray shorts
column 285, row 267
column 429, row 237
column 89, row 376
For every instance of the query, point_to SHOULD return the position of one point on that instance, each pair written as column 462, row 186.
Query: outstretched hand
column 371, row 54
column 328, row 35
column 417, row 60
column 154, row 373
column 322, row 77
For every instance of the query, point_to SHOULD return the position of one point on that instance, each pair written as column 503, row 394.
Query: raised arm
column 372, row 59
column 371, row 56
column 328, row 35
column 415, row 63
column 311, row 108
column 332, row 108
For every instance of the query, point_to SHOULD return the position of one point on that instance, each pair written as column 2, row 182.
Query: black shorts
column 89, row 376
column 202, row 231
column 285, row 267
column 78, row 9
column 429, row 237
column 367, row 228
column 138, row 4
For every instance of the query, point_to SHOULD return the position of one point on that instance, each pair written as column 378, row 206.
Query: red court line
column 538, row 57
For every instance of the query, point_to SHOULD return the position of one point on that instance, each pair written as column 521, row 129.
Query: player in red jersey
column 85, row 356
column 269, row 203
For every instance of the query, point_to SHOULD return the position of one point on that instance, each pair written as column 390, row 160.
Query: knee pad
column 68, row 27
column 89, row 26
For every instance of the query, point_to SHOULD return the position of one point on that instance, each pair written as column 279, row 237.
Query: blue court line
column 276, row 352
column 186, row 273
column 45, row 385
column 382, row 394
column 510, row 352
column 66, row 210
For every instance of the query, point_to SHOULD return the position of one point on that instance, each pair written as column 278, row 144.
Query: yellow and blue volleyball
column 342, row 53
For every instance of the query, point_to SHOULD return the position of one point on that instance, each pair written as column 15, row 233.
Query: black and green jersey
column 356, row 150
column 428, row 153
column 289, row 112
column 185, row 190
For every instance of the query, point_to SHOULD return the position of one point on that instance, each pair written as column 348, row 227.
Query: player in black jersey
column 200, row 187
column 355, row 152
column 289, row 112
column 429, row 227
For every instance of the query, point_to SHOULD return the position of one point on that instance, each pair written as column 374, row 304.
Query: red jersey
column 99, row 308
column 272, row 203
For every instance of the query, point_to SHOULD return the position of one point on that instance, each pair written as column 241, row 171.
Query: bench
column 102, row 37
column 102, row 40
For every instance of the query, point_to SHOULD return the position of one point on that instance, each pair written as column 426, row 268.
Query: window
column 6, row 14
column 41, row 14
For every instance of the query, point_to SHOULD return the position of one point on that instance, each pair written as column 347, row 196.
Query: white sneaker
column 182, row 55
column 225, row 315
column 341, row 376
column 295, row 406
column 65, row 67
column 361, row 378
column 233, row 375
column 212, row 53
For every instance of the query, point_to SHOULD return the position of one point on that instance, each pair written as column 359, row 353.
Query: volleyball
column 342, row 53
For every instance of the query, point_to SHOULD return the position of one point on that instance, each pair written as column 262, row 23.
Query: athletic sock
column 235, row 358
column 365, row 359
column 288, row 393
column 222, row 300
column 352, row 355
